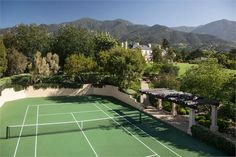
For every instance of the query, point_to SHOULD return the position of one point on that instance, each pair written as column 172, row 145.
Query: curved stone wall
column 9, row 94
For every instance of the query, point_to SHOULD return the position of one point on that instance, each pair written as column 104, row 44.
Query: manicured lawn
column 183, row 67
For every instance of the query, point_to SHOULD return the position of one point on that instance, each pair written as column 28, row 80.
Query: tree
column 165, row 44
column 228, row 96
column 32, row 38
column 41, row 67
column 169, row 68
column 53, row 62
column 205, row 80
column 166, row 81
column 197, row 53
column 124, row 65
column 3, row 58
column 171, row 54
column 70, row 40
column 17, row 62
column 157, row 56
column 9, row 40
column 76, row 64
column 104, row 42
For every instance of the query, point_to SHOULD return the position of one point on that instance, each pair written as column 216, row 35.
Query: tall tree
column 124, row 65
column 104, row 42
column 206, row 80
column 9, row 40
column 165, row 44
column 17, row 62
column 70, row 40
column 53, row 62
column 32, row 38
column 156, row 52
column 77, row 64
column 3, row 58
column 41, row 67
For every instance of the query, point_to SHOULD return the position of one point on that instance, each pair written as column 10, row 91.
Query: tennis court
column 89, row 126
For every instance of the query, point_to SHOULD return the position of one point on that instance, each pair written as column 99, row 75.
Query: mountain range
column 223, row 29
column 220, row 33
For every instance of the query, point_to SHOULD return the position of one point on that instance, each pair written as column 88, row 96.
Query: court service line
column 36, row 134
column 151, row 155
column 62, row 113
column 128, row 131
column 143, row 131
column 18, row 141
column 84, row 135
column 52, row 104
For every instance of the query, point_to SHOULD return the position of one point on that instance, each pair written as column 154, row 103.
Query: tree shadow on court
column 75, row 99
column 150, row 127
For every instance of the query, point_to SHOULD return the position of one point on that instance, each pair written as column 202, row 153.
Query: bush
column 205, row 123
column 223, row 125
column 213, row 139
column 166, row 106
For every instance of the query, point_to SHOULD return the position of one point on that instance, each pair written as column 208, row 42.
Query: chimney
column 122, row 44
column 138, row 43
column 126, row 45
column 149, row 45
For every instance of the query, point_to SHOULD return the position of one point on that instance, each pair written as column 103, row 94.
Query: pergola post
column 160, row 104
column 191, row 120
column 142, row 98
column 214, row 126
column 173, row 111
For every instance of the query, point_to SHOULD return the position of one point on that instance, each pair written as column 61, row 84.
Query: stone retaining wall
column 9, row 94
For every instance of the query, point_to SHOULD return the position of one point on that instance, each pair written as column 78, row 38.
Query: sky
column 149, row 12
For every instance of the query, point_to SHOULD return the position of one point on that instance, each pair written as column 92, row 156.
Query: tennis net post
column 7, row 132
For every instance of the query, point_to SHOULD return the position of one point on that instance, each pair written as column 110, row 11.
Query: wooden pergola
column 184, row 99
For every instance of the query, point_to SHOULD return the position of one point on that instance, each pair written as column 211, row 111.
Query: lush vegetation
column 70, row 57
column 78, row 55
column 213, row 139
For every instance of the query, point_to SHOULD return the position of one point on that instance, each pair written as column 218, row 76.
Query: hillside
column 223, row 29
column 125, row 30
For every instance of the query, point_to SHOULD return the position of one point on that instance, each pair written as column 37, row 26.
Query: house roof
column 142, row 47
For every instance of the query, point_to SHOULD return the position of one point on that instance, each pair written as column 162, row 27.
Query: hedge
column 213, row 139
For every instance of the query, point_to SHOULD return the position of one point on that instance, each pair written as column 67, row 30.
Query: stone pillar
column 191, row 120
column 142, row 98
column 159, row 104
column 214, row 126
column 173, row 111
column 146, row 100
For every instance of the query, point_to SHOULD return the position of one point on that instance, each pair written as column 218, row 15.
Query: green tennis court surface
column 89, row 126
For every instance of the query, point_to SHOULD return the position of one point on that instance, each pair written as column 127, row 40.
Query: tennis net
column 13, row 131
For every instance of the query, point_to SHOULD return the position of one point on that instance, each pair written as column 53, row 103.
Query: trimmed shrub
column 213, row 139
column 166, row 106
column 223, row 125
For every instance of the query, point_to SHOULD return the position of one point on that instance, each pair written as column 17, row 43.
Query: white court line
column 52, row 104
column 36, row 136
column 84, row 135
column 128, row 131
column 18, row 141
column 151, row 155
column 143, row 131
column 62, row 113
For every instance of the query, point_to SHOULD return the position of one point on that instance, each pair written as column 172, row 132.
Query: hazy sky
column 150, row 12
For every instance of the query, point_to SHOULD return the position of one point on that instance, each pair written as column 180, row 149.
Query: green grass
column 124, row 137
column 183, row 67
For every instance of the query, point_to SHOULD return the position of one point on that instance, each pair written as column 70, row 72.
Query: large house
column 146, row 50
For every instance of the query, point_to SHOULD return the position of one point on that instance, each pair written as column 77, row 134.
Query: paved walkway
column 179, row 121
